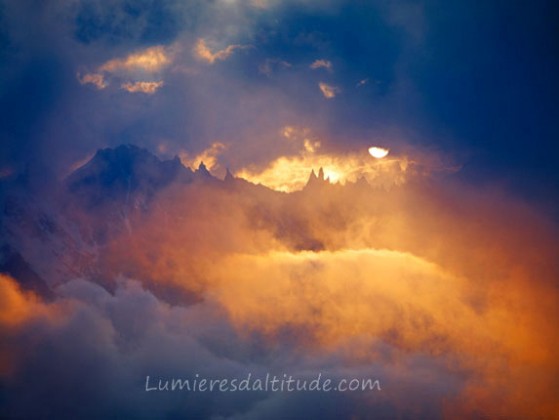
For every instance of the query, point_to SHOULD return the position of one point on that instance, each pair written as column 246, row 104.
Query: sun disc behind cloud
column 378, row 152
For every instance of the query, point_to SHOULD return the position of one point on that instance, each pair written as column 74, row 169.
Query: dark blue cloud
column 487, row 73
column 144, row 21
column 477, row 80
column 27, row 103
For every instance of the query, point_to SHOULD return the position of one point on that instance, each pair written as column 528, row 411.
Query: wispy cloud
column 362, row 82
column 151, row 60
column 209, row 157
column 147, row 62
column 328, row 91
column 270, row 65
column 143, row 87
column 95, row 79
column 203, row 52
column 321, row 64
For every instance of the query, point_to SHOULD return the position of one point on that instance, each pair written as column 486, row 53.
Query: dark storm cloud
column 198, row 106
column 487, row 73
column 144, row 21
column 43, row 105
column 474, row 80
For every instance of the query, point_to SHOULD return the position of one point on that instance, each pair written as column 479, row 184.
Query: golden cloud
column 144, row 87
column 328, row 91
column 209, row 157
column 150, row 60
column 204, row 53
column 460, row 276
column 17, row 309
column 291, row 172
column 415, row 306
column 95, row 79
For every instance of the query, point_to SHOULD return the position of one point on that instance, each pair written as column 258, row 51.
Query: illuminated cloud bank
column 425, row 287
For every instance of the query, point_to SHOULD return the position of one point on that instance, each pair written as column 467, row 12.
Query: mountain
column 65, row 229
column 124, row 173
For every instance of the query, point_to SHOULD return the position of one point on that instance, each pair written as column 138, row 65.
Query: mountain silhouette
column 115, row 174
column 67, row 230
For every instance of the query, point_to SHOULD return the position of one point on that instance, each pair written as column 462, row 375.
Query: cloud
column 111, row 342
column 20, row 311
column 204, row 53
column 328, row 91
column 95, row 79
column 362, row 82
column 424, row 265
column 144, row 87
column 150, row 60
column 324, row 64
column 428, row 287
column 17, row 306
column 290, row 172
column 104, row 24
column 209, row 157
column 272, row 65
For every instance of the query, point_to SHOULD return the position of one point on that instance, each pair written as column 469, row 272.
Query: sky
column 473, row 81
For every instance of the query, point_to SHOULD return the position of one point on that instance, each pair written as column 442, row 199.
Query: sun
column 378, row 152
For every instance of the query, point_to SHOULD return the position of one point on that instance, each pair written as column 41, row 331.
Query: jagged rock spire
column 312, row 177
column 203, row 170
column 228, row 176
column 316, row 180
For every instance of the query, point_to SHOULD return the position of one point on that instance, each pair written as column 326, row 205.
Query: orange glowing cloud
column 209, row 157
column 144, row 87
column 150, row 60
column 18, row 309
column 428, row 269
column 147, row 62
column 95, row 79
column 328, row 91
column 290, row 172
column 16, row 305
column 203, row 52
column 462, row 277
column 415, row 306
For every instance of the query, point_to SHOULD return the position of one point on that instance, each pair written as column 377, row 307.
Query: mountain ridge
column 54, row 236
